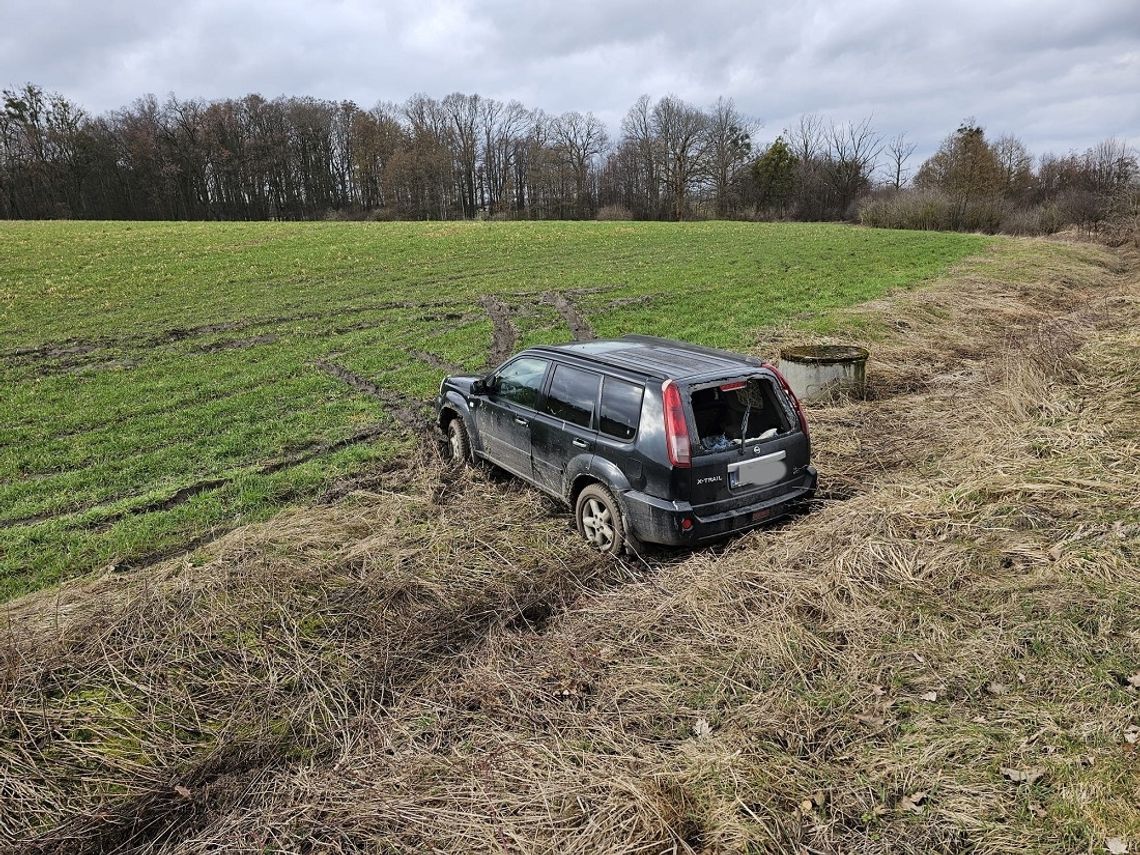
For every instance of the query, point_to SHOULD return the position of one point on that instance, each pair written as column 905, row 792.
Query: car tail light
column 795, row 401
column 676, row 429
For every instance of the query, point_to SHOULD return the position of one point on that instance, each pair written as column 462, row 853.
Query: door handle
column 581, row 443
column 520, row 421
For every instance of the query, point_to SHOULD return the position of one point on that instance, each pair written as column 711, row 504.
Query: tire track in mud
column 72, row 353
column 437, row 362
column 580, row 328
column 402, row 410
column 205, row 485
column 411, row 417
column 504, row 335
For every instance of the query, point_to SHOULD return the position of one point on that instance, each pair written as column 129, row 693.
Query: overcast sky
column 1059, row 74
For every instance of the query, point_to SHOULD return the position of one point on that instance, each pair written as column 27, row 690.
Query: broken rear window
column 726, row 412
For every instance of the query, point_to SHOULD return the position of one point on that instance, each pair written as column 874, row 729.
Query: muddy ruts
column 402, row 409
column 504, row 336
column 579, row 327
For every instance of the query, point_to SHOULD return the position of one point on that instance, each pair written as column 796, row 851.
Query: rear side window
column 621, row 407
column 572, row 395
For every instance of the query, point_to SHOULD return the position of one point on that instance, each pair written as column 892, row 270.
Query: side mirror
column 480, row 387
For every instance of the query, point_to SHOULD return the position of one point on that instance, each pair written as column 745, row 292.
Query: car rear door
column 743, row 473
column 565, row 427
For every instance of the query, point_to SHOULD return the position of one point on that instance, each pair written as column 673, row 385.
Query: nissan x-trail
column 646, row 439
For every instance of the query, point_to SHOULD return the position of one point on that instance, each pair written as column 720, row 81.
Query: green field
column 159, row 381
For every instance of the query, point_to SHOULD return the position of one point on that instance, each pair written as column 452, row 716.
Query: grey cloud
column 1059, row 74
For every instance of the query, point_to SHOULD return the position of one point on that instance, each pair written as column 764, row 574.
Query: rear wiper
column 744, row 427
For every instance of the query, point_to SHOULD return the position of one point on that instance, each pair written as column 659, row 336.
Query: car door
column 619, row 419
column 564, row 427
column 504, row 414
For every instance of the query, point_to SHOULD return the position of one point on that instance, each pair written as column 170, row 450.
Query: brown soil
column 239, row 343
column 407, row 413
column 437, row 362
column 580, row 328
column 503, row 332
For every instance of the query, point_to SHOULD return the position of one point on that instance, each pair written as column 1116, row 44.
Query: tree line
column 467, row 156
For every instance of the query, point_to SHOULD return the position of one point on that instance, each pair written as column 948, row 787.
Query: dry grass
column 435, row 664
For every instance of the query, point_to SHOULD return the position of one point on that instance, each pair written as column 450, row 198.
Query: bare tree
column 640, row 138
column 899, row 152
column 808, row 143
column 1110, row 164
column 729, row 148
column 580, row 138
column 423, row 168
column 854, row 150
column 808, row 139
column 463, row 115
column 538, row 168
column 1016, row 165
column 681, row 130
column 502, row 124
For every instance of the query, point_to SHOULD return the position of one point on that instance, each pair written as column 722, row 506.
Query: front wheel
column 458, row 447
column 600, row 521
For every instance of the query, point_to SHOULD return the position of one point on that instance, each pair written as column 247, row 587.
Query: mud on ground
column 943, row 656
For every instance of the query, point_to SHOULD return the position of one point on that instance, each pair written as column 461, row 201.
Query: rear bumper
column 659, row 521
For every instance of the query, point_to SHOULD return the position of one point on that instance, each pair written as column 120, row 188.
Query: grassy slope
column 138, row 360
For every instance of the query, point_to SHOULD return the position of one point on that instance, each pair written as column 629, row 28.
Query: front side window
column 572, row 395
column 521, row 381
column 621, row 408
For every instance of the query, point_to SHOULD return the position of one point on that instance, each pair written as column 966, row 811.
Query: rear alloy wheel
column 458, row 447
column 600, row 521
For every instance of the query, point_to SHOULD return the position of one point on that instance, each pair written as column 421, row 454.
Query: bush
column 614, row 212
column 1037, row 220
column 351, row 214
column 928, row 210
column 1123, row 224
column 931, row 210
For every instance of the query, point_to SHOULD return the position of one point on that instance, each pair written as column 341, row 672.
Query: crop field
column 942, row 655
column 162, row 383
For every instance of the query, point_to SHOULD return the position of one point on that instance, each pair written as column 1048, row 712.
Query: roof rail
column 684, row 345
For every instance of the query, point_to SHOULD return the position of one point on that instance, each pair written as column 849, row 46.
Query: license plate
column 763, row 470
column 761, row 514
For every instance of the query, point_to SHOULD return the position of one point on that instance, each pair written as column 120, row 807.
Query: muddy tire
column 457, row 448
column 600, row 521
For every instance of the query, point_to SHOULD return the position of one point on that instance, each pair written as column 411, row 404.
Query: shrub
column 910, row 209
column 932, row 210
column 1038, row 220
column 614, row 212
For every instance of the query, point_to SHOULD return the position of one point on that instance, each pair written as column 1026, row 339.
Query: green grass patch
column 139, row 359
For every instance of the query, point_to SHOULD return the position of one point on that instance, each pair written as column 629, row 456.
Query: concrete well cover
column 825, row 354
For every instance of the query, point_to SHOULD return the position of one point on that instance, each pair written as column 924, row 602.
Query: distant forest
column 466, row 157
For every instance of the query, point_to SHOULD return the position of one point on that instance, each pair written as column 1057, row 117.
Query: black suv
column 646, row 439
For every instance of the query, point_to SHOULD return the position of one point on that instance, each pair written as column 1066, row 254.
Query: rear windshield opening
column 722, row 414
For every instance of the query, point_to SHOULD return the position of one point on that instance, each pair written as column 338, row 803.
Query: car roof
column 655, row 357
